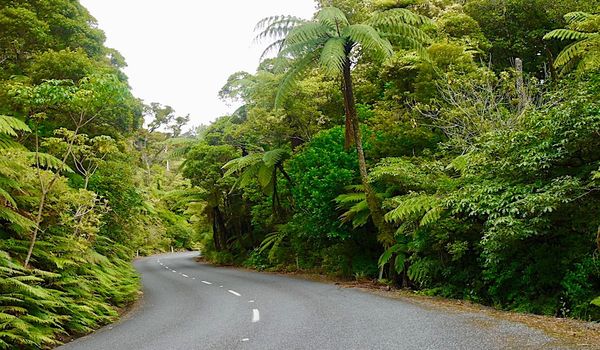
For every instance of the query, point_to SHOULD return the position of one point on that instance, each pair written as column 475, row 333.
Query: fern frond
column 578, row 16
column 274, row 157
column 333, row 56
column 369, row 40
column 433, row 215
column 300, row 66
column 388, row 253
column 567, row 34
column 306, row 32
column 276, row 27
column 573, row 51
column 10, row 125
column 239, row 164
column 393, row 17
column 349, row 198
column 333, row 17
column 275, row 46
column 48, row 161
column 410, row 205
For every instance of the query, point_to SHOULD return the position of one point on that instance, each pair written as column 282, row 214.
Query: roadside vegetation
column 449, row 147
column 83, row 187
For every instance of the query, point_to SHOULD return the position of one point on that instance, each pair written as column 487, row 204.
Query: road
column 187, row 305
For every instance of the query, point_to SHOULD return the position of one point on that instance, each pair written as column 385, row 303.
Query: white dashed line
column 255, row 315
column 174, row 271
column 220, row 286
column 184, row 275
column 206, row 282
column 245, row 339
column 250, row 301
column 234, row 293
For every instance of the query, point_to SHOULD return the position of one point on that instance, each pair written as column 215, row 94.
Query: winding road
column 188, row 305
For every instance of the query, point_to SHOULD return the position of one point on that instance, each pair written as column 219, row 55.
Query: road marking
column 205, row 282
column 234, row 293
column 250, row 301
column 193, row 278
column 255, row 315
column 166, row 267
column 184, row 275
column 174, row 271
column 245, row 339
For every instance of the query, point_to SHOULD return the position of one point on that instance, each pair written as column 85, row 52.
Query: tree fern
column 583, row 54
column 406, row 207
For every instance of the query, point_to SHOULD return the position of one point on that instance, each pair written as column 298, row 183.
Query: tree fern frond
column 4, row 195
column 433, row 215
column 567, row 34
column 276, row 27
column 268, row 21
column 10, row 125
column 349, row 198
column 333, row 18
column 276, row 156
column 289, row 79
column 8, row 143
column 409, row 44
column 406, row 31
column 299, row 49
column 275, row 46
column 410, row 205
column 306, row 32
column 265, row 177
column 397, row 16
column 589, row 62
column 369, row 40
column 573, row 51
column 577, row 16
column 387, row 255
column 17, row 222
column 239, row 164
column 48, row 161
column 333, row 55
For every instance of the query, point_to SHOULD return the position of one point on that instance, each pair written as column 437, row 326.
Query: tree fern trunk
column 353, row 123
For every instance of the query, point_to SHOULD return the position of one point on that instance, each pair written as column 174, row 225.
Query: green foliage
column 73, row 204
column 320, row 172
column 584, row 30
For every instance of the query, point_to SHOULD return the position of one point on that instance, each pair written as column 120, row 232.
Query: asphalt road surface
column 187, row 305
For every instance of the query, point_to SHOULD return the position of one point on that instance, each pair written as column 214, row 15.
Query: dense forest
column 451, row 147
column 83, row 187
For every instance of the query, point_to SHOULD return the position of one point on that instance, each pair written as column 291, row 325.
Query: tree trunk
column 38, row 222
column 219, row 230
column 352, row 122
column 521, row 91
column 598, row 239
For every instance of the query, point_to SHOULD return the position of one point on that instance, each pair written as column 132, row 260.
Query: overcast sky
column 180, row 52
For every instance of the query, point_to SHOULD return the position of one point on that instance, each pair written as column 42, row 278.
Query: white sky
column 181, row 52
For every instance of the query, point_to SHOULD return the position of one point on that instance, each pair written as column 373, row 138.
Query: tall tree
column 332, row 42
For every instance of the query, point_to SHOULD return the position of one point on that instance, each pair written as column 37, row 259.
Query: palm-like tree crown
column 331, row 41
column 584, row 53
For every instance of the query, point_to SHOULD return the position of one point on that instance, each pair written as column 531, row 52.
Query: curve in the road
column 188, row 305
